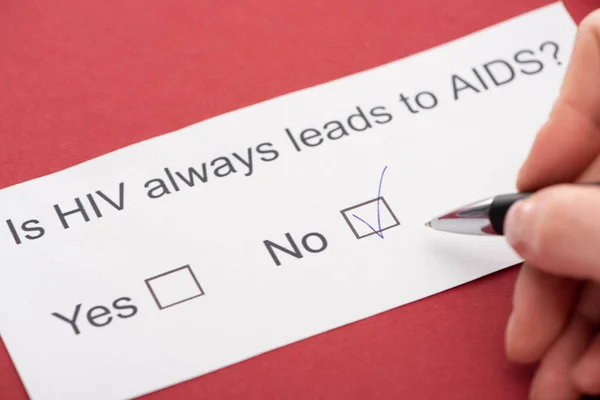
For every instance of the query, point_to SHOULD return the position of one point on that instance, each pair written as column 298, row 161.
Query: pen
column 485, row 217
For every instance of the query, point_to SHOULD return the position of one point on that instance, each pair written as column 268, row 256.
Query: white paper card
column 192, row 251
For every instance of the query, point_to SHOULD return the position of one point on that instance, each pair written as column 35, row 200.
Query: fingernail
column 520, row 176
column 532, row 392
column 519, row 226
column 509, row 333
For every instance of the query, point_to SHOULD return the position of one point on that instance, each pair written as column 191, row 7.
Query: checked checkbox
column 370, row 218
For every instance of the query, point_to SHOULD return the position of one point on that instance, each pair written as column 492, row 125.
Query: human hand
column 556, row 305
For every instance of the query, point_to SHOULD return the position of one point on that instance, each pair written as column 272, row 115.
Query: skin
column 556, row 305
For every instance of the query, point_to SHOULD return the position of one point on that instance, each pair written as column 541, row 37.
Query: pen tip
column 428, row 224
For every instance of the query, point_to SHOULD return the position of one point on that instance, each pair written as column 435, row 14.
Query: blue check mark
column 378, row 230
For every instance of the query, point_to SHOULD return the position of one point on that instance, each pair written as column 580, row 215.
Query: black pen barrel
column 499, row 209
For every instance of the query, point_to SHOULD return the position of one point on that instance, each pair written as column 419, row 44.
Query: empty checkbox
column 370, row 218
column 174, row 287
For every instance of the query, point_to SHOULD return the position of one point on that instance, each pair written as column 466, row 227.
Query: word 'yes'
column 99, row 316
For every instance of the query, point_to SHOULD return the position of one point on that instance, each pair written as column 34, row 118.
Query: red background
column 81, row 78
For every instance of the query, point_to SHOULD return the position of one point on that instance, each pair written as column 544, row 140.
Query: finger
column 553, row 377
column 558, row 230
column 591, row 173
column 570, row 140
column 542, row 303
column 586, row 373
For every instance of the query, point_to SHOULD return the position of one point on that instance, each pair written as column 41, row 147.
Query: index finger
column 570, row 139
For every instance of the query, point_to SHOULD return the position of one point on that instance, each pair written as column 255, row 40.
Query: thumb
column 558, row 230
